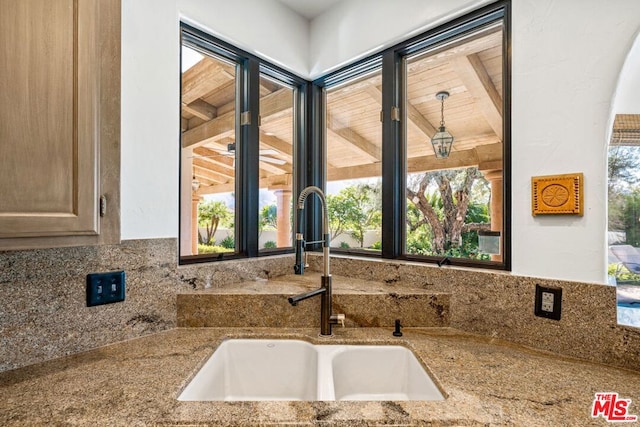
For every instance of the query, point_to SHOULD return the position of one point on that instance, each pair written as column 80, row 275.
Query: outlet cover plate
column 548, row 302
column 105, row 288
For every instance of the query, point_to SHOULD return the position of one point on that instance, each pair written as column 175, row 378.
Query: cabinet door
column 51, row 116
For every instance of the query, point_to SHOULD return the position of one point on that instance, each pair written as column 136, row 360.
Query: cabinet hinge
column 103, row 205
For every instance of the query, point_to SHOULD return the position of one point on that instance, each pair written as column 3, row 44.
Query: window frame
column 247, row 185
column 394, row 168
column 309, row 145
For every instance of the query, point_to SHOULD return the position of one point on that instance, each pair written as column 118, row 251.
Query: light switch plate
column 105, row 288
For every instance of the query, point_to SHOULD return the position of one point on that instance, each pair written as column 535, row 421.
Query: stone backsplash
column 43, row 313
column 500, row 304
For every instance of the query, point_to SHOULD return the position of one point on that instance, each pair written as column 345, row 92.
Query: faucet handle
column 337, row 318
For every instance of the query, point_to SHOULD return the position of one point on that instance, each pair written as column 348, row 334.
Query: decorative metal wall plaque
column 557, row 194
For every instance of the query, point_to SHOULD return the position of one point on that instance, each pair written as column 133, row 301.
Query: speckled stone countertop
column 488, row 382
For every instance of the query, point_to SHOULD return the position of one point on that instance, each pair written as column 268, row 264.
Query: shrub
column 212, row 249
column 228, row 242
column 344, row 245
column 270, row 244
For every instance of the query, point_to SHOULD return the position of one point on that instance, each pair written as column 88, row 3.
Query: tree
column 445, row 212
column 355, row 210
column 268, row 217
column 623, row 162
column 210, row 215
column 631, row 217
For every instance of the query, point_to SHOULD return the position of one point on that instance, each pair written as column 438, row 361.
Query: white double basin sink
column 272, row 369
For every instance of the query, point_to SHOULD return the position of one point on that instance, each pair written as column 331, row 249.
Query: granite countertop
column 487, row 382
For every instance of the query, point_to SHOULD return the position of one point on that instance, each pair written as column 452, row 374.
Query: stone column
column 186, row 204
column 494, row 176
column 283, row 202
column 195, row 199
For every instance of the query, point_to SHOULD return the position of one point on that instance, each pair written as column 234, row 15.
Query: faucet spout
column 326, row 316
column 326, row 237
column 295, row 299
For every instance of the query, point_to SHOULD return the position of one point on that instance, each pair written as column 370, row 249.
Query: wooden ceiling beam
column 459, row 47
column 276, row 143
column 419, row 121
column 336, row 129
column 214, row 157
column 224, row 125
column 414, row 116
column 201, row 109
column 489, row 156
column 478, row 82
column 201, row 79
column 275, row 169
column 217, row 128
column 221, row 172
column 266, row 182
column 207, row 173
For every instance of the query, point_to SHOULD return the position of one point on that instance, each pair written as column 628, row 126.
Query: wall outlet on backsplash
column 105, row 288
column 548, row 302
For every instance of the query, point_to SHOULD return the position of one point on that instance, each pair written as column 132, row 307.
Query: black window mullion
column 247, row 184
column 315, row 162
column 393, row 153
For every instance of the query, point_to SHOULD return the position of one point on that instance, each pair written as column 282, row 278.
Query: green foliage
column 623, row 163
column 270, row 244
column 228, row 242
column 344, row 245
column 377, row 245
column 445, row 210
column 621, row 274
column 211, row 214
column 210, row 249
column 268, row 218
column 631, row 217
column 355, row 210
column 419, row 242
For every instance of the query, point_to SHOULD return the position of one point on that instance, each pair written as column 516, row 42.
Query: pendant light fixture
column 442, row 140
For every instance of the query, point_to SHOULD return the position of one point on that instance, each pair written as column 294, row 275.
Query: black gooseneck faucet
column 327, row 319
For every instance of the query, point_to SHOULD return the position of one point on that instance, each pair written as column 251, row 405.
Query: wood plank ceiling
column 470, row 70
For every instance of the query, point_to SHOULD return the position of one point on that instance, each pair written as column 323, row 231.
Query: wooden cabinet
column 59, row 122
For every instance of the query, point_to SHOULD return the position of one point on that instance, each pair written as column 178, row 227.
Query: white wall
column 150, row 91
column 627, row 97
column 357, row 28
column 567, row 56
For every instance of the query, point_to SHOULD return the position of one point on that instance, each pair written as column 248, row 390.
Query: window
column 277, row 133
column 388, row 191
column 624, row 216
column 208, row 155
column 254, row 136
column 239, row 130
column 354, row 162
column 454, row 201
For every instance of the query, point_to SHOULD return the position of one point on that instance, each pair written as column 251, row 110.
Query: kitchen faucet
column 327, row 319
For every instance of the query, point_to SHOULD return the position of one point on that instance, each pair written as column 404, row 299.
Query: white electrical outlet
column 547, row 302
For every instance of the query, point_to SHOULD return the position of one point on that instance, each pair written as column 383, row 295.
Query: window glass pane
column 276, row 164
column 624, row 216
column 454, row 200
column 354, row 168
column 207, row 196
